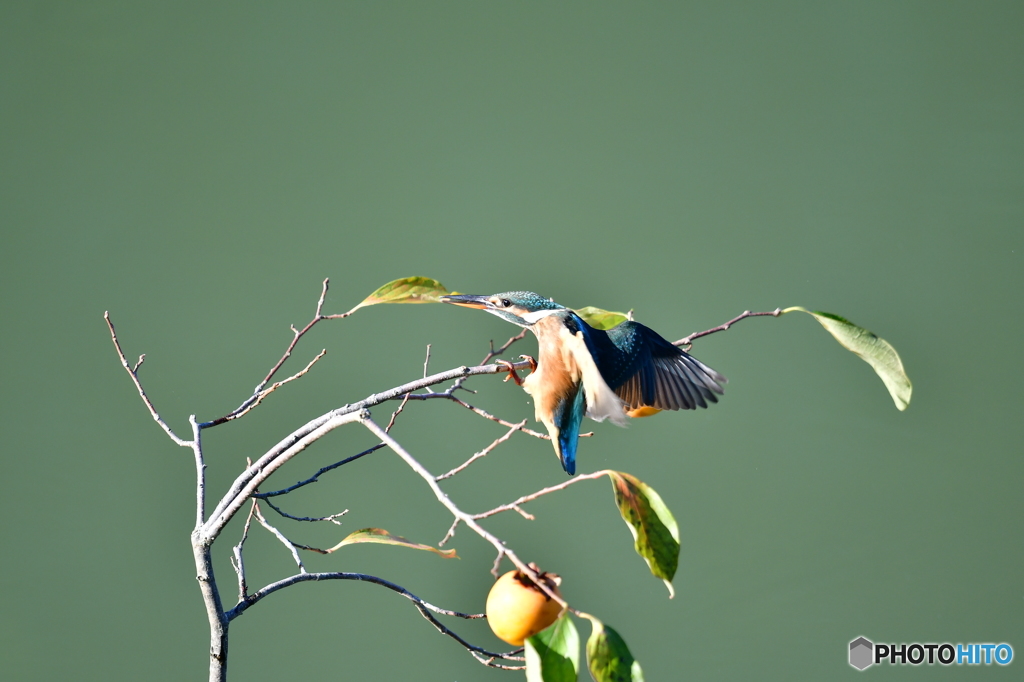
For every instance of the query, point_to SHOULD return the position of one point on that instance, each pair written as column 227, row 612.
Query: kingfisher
column 626, row 371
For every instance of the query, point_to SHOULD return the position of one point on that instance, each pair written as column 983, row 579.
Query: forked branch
column 245, row 488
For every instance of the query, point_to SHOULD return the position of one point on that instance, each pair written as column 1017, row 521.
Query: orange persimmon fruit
column 517, row 608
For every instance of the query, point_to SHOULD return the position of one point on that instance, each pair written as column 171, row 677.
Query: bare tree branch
column 686, row 340
column 133, row 372
column 333, row 518
column 315, row 477
column 514, row 506
column 450, row 534
column 398, row 411
column 267, row 391
column 280, row 536
column 237, row 562
column 447, row 395
column 246, row 485
column 258, row 392
column 484, row 452
column 253, row 476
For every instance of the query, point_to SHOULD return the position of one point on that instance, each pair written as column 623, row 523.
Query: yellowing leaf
column 875, row 351
column 405, row 290
column 552, row 655
column 601, row 319
column 655, row 532
column 608, row 657
column 382, row 537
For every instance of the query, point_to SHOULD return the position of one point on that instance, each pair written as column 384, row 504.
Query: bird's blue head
column 523, row 308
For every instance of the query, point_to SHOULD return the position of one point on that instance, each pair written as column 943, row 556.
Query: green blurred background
column 198, row 170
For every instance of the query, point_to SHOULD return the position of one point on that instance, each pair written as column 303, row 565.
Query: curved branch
column 424, row 607
column 249, row 480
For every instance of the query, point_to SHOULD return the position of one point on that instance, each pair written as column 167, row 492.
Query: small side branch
column 315, row 477
column 261, row 390
column 260, row 395
column 133, row 372
column 484, row 452
column 687, row 340
column 237, row 560
column 333, row 518
column 280, row 536
column 447, row 395
column 514, row 506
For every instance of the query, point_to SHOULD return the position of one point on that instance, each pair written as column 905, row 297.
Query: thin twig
column 134, row 374
column 315, row 477
column 333, row 518
column 273, row 387
column 280, row 536
column 394, row 415
column 514, row 506
column 450, row 534
column 474, row 650
column 237, row 562
column 297, row 334
column 484, row 452
column 446, row 395
column 686, row 340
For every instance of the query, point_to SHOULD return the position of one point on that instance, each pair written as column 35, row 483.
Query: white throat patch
column 534, row 317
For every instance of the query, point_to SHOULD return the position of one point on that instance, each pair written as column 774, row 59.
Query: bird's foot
column 530, row 359
column 511, row 371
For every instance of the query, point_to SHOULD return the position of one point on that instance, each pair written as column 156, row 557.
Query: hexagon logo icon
column 861, row 650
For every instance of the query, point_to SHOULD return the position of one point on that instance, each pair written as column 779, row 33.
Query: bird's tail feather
column 568, row 421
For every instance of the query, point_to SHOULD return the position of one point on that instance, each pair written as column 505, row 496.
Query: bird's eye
column 505, row 303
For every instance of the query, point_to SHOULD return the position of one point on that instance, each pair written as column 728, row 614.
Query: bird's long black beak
column 467, row 301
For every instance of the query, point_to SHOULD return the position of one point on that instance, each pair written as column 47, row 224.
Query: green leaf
column 552, row 655
column 405, row 290
column 873, row 350
column 653, row 527
column 382, row 537
column 601, row 319
column 608, row 656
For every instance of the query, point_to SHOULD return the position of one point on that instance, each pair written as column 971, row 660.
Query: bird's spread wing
column 646, row 370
